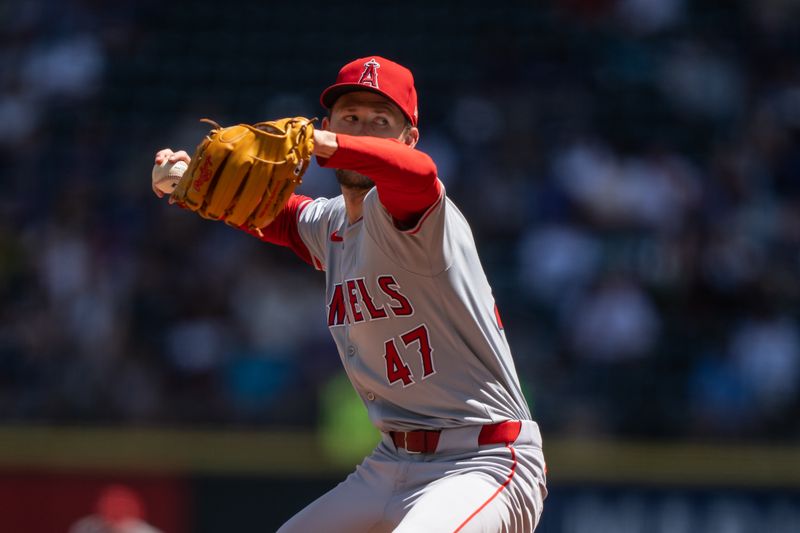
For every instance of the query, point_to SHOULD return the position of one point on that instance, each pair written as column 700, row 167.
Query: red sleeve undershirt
column 283, row 230
column 405, row 178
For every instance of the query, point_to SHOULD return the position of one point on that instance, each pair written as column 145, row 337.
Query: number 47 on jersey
column 396, row 368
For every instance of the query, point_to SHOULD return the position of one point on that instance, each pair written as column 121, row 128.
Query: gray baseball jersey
column 413, row 316
column 419, row 335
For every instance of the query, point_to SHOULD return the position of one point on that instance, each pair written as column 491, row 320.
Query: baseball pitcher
column 407, row 303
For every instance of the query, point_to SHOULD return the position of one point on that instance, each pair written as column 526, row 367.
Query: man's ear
column 411, row 137
column 325, row 123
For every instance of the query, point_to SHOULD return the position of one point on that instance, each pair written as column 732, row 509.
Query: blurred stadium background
column 631, row 170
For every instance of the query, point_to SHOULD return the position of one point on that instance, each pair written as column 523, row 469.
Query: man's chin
column 353, row 180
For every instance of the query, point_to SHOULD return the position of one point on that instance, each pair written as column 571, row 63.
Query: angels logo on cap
column 396, row 84
column 370, row 74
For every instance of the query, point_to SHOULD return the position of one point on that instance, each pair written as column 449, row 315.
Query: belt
column 426, row 441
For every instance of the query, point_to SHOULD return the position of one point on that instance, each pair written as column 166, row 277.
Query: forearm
column 406, row 179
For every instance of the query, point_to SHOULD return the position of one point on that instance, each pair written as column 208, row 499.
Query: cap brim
column 332, row 93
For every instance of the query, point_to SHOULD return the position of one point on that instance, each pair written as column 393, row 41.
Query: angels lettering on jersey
column 354, row 296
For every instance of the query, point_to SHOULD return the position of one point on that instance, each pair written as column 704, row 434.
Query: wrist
column 325, row 144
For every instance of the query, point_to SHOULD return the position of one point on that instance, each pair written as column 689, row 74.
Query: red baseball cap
column 378, row 75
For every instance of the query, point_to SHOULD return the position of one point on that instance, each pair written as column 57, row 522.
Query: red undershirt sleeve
column 406, row 178
column 283, row 230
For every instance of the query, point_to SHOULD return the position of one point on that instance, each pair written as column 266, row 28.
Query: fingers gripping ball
column 245, row 174
column 167, row 175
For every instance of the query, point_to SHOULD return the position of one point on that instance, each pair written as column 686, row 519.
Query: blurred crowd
column 630, row 168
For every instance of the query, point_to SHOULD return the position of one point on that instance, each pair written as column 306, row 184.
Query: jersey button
column 351, row 350
column 370, row 396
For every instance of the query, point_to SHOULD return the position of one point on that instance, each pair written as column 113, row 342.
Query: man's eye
column 351, row 118
column 382, row 121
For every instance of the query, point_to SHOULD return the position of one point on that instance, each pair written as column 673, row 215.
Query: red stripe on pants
column 498, row 491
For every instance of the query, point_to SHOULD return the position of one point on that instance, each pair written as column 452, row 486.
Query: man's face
column 370, row 114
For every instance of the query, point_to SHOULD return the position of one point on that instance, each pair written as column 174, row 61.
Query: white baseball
column 167, row 175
